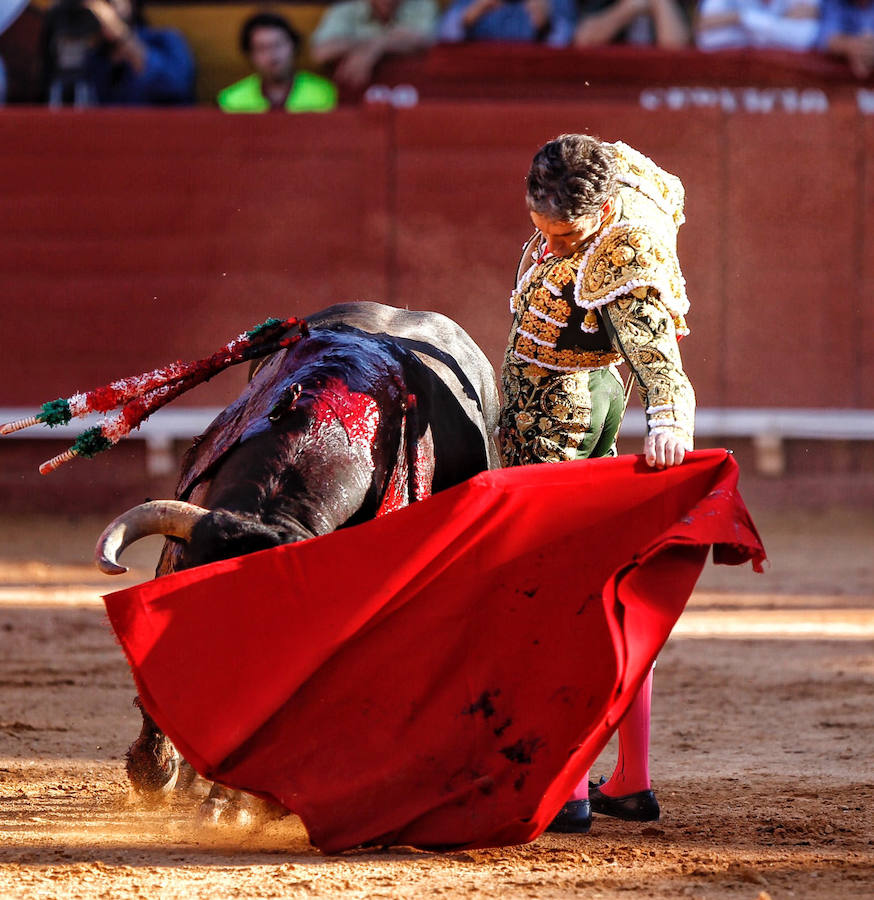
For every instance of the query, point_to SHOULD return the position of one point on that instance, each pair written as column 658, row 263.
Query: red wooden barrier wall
column 128, row 239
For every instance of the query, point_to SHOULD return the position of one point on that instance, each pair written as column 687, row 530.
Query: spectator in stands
column 102, row 52
column 762, row 24
column 353, row 36
column 547, row 21
column 272, row 46
column 847, row 30
column 663, row 23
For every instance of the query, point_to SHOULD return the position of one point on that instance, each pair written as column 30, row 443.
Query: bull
column 375, row 408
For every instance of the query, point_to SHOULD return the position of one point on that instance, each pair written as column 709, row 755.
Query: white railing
column 159, row 431
column 767, row 428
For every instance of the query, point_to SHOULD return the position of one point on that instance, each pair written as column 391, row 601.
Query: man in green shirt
column 271, row 45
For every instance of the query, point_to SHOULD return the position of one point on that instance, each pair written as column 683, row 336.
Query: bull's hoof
column 224, row 807
column 227, row 807
column 152, row 762
column 219, row 814
column 189, row 783
column 153, row 781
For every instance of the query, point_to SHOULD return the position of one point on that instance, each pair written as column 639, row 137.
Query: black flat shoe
column 575, row 817
column 639, row 807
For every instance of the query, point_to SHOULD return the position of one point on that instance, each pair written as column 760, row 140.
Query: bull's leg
column 155, row 768
column 152, row 762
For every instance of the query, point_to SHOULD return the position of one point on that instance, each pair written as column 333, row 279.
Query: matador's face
column 565, row 238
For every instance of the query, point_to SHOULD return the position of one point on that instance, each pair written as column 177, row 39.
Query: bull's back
column 442, row 345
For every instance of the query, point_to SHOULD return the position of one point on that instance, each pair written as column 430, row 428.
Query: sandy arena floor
column 762, row 750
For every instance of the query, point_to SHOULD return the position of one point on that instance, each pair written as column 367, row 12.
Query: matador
column 599, row 285
column 618, row 297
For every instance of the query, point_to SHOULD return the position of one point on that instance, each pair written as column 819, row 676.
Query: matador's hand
column 664, row 449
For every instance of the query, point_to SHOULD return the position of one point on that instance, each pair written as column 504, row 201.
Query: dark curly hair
column 267, row 20
column 571, row 177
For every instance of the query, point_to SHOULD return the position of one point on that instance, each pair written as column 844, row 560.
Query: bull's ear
column 286, row 401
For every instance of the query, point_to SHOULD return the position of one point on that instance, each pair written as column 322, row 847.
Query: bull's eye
column 286, row 402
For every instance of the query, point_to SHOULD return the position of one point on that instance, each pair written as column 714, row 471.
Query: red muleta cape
column 444, row 675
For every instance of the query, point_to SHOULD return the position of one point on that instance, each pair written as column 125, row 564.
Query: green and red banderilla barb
column 141, row 395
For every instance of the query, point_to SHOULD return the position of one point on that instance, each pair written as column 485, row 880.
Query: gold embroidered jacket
column 619, row 298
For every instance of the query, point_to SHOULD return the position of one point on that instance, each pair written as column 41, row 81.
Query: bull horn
column 173, row 518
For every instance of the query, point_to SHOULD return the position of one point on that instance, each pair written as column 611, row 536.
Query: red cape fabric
column 444, row 675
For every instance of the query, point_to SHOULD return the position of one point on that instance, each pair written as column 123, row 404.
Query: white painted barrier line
column 818, row 624
column 855, row 624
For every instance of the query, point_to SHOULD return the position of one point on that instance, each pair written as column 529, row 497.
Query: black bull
column 375, row 408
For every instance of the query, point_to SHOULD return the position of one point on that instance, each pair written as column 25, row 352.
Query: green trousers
column 608, row 405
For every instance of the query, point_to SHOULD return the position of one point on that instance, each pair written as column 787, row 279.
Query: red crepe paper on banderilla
column 444, row 675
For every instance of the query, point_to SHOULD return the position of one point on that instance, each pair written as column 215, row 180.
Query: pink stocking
column 581, row 791
column 632, row 767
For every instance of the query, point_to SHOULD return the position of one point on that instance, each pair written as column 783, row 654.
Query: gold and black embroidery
column 538, row 329
column 569, row 360
column 541, row 300
column 545, row 418
column 626, row 258
column 644, row 331
column 548, row 330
